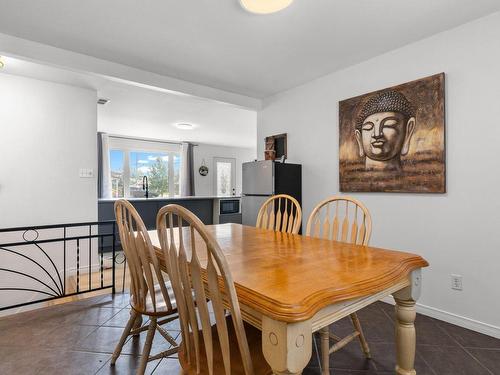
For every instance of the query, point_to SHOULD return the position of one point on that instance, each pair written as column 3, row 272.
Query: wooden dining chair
column 281, row 213
column 200, row 273
column 345, row 219
column 151, row 294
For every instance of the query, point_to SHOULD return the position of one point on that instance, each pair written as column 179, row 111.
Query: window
column 116, row 161
column 225, row 169
column 177, row 173
column 131, row 160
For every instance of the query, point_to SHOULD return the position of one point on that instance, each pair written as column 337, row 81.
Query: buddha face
column 385, row 136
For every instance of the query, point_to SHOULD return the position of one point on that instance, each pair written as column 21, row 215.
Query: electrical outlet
column 456, row 282
column 86, row 173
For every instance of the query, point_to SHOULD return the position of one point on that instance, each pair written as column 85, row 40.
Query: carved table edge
column 308, row 308
column 331, row 313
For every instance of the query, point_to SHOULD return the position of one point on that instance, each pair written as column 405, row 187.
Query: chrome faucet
column 145, row 186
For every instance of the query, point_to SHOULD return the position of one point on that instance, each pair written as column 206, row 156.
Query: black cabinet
column 148, row 209
column 203, row 208
column 148, row 212
column 230, row 218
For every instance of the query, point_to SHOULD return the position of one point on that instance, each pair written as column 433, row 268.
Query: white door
column 225, row 177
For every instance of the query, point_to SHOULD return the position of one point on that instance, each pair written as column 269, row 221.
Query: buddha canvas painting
column 393, row 140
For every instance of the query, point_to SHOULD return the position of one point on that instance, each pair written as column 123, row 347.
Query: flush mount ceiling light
column 264, row 6
column 184, row 126
column 1, row 63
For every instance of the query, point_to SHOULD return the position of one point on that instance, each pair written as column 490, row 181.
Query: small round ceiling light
column 2, row 64
column 264, row 6
column 184, row 126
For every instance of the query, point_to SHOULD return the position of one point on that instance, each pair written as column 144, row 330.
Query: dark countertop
column 155, row 199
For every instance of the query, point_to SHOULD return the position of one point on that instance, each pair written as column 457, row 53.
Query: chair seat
column 254, row 337
column 161, row 306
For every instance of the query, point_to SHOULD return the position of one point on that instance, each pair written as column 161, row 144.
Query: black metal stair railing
column 42, row 263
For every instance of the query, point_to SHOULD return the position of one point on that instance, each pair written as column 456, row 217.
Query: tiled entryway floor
column 79, row 337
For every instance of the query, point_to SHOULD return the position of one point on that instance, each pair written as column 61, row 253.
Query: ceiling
column 216, row 43
column 146, row 113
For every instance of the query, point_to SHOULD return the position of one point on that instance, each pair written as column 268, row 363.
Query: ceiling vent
column 102, row 101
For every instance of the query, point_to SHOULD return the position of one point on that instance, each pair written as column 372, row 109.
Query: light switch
column 86, row 173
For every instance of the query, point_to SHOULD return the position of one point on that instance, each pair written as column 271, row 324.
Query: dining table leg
column 405, row 337
column 287, row 347
column 405, row 325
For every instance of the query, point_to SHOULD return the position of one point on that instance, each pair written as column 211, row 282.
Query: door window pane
column 152, row 165
column 116, row 161
column 223, row 178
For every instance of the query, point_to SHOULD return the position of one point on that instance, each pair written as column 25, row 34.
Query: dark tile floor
column 79, row 337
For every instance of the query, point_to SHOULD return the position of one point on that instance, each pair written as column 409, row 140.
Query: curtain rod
column 148, row 139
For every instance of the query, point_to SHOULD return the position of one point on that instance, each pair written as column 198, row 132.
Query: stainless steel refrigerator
column 263, row 179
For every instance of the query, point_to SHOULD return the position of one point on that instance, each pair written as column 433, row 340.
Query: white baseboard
column 455, row 319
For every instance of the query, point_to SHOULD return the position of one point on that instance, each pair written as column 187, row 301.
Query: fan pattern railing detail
column 42, row 263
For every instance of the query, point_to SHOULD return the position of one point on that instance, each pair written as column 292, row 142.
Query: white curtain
column 104, row 178
column 187, row 170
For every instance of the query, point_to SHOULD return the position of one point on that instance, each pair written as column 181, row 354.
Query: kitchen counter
column 201, row 206
column 191, row 197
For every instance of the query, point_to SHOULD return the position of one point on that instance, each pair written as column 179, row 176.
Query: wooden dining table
column 290, row 286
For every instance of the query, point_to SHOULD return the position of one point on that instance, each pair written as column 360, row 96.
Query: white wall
column 204, row 185
column 455, row 232
column 48, row 134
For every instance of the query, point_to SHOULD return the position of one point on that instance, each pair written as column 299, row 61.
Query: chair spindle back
column 193, row 256
column 143, row 264
column 340, row 218
column 281, row 213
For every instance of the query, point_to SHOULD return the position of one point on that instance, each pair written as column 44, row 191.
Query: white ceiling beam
column 77, row 62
